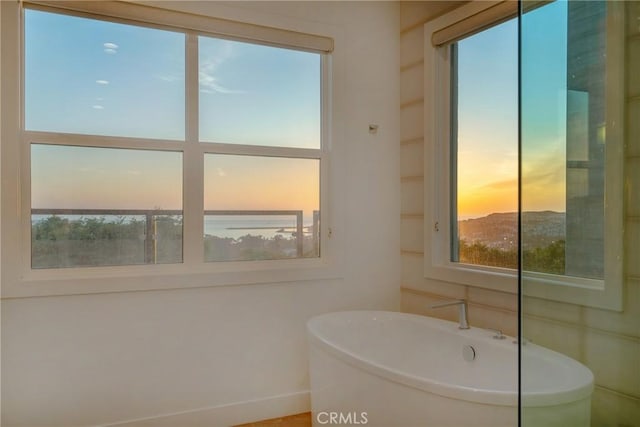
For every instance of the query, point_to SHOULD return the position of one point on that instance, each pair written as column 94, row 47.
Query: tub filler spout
column 462, row 311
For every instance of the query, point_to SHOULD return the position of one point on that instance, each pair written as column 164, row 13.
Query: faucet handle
column 499, row 335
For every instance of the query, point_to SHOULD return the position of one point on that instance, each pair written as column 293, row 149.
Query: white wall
column 109, row 358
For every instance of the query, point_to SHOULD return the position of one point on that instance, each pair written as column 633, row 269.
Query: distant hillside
column 540, row 229
column 500, row 230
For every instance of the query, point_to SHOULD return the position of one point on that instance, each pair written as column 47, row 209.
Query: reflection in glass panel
column 573, row 59
column 101, row 78
column 103, row 206
column 563, row 138
column 258, row 95
column 259, row 208
column 484, row 148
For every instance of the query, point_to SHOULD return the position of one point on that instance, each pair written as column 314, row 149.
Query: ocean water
column 234, row 227
column 238, row 226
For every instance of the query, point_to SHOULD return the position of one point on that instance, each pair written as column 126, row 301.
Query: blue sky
column 544, row 107
column 258, row 94
column 96, row 77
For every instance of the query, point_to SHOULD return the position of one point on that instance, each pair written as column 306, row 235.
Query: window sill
column 604, row 294
column 97, row 280
column 497, row 279
column 574, row 290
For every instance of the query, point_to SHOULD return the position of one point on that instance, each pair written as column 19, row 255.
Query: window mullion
column 193, row 166
column 454, row 254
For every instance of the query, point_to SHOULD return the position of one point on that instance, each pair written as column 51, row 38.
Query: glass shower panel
column 563, row 138
column 573, row 111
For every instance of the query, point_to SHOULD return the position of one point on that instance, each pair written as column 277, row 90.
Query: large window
column 155, row 145
column 566, row 197
column 471, row 146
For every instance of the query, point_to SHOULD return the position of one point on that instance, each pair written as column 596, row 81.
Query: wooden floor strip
column 298, row 420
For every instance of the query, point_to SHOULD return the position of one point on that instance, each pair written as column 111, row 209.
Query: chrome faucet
column 462, row 311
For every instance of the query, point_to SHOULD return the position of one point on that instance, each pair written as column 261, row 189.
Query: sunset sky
column 93, row 77
column 488, row 115
column 488, row 122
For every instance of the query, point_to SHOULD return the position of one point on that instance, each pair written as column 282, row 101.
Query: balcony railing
column 151, row 215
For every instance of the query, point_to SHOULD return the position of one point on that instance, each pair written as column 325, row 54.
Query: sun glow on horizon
column 261, row 183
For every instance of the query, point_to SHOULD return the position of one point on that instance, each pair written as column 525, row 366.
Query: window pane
column 95, row 77
column 103, row 206
column 259, row 95
column 564, row 65
column 261, row 208
column 485, row 147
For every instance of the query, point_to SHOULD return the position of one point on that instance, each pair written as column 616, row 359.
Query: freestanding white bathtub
column 388, row 369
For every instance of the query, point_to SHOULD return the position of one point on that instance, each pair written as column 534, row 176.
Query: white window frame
column 437, row 131
column 437, row 215
column 20, row 280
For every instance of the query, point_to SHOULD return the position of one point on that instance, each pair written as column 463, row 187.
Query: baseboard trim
column 229, row 414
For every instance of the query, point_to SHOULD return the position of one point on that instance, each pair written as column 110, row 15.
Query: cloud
column 110, row 48
column 98, row 107
column 102, row 82
column 209, row 83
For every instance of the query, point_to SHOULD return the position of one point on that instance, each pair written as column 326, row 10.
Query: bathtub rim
column 458, row 392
